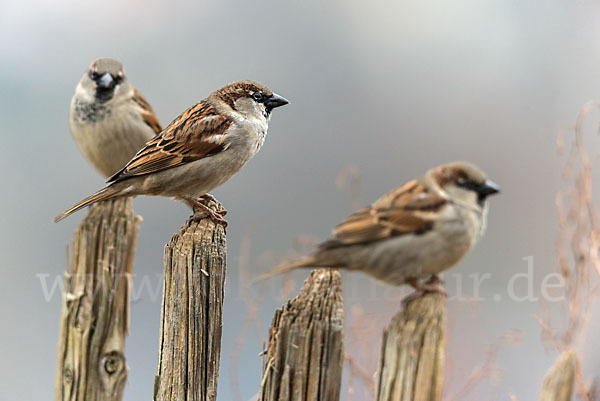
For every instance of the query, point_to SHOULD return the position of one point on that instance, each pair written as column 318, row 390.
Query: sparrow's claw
column 434, row 284
column 211, row 198
column 205, row 211
column 209, row 213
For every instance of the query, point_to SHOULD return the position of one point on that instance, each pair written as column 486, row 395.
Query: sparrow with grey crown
column 199, row 151
column 416, row 231
column 110, row 120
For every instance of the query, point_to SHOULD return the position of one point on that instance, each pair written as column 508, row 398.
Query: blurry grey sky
column 393, row 87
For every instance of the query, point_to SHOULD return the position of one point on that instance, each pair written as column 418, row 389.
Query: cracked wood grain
column 412, row 354
column 94, row 320
column 191, row 319
column 305, row 352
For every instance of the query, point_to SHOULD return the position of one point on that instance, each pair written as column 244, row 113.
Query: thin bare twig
column 577, row 247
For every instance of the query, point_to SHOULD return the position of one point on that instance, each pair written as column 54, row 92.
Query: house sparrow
column 415, row 231
column 110, row 120
column 200, row 150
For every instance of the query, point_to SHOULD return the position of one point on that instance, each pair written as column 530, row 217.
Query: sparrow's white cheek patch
column 262, row 110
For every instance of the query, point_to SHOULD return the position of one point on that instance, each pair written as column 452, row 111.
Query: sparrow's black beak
column 275, row 101
column 106, row 81
column 488, row 188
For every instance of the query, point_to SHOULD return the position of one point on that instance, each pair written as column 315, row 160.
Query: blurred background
column 380, row 92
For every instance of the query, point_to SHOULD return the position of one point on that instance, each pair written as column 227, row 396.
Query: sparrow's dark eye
column 94, row 75
column 258, row 97
column 467, row 184
column 118, row 79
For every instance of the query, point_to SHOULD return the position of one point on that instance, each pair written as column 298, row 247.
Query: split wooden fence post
column 191, row 320
column 412, row 353
column 305, row 353
column 91, row 362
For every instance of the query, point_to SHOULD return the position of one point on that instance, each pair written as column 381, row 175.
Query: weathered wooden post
column 95, row 311
column 412, row 352
column 305, row 353
column 191, row 319
column 558, row 385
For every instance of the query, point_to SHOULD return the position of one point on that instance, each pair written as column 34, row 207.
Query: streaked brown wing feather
column 147, row 112
column 408, row 209
column 197, row 133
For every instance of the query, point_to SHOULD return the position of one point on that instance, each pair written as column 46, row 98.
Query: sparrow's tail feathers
column 308, row 261
column 103, row 194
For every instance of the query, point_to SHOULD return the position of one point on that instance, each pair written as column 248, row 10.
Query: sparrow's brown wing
column 197, row 133
column 147, row 113
column 410, row 209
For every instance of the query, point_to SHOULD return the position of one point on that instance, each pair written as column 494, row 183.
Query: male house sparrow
column 110, row 120
column 415, row 231
column 200, row 150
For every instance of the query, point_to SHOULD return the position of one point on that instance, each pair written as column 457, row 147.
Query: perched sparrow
column 110, row 120
column 200, row 150
column 415, row 231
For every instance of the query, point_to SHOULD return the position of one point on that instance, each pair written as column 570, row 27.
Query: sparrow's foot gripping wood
column 434, row 284
column 210, row 198
column 205, row 211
